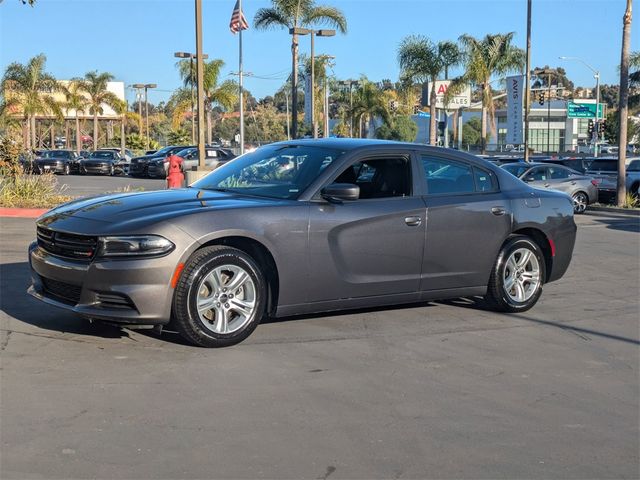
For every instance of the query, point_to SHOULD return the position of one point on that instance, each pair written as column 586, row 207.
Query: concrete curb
column 595, row 210
column 22, row 212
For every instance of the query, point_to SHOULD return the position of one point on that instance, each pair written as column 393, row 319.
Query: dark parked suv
column 214, row 157
column 63, row 162
column 139, row 165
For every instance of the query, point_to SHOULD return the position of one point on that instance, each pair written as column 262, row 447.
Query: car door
column 467, row 221
column 537, row 177
column 559, row 178
column 371, row 246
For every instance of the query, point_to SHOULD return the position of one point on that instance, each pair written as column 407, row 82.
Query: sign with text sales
column 584, row 110
column 459, row 100
column 515, row 94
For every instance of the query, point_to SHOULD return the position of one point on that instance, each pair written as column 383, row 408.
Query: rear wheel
column 580, row 202
column 220, row 297
column 516, row 281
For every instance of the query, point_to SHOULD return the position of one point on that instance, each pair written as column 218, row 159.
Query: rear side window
column 558, row 173
column 445, row 176
column 604, row 166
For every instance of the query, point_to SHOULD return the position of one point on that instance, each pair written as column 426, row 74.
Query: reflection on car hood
column 133, row 211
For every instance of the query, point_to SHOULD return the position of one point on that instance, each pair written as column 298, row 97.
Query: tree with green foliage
column 472, row 132
column 179, row 137
column 423, row 60
column 369, row 103
column 265, row 125
column 402, row 129
column 95, row 86
column 290, row 14
column 224, row 94
column 484, row 58
column 27, row 89
column 75, row 100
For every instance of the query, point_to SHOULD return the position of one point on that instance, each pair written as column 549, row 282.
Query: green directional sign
column 584, row 110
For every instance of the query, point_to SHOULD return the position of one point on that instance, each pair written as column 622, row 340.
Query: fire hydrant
column 175, row 175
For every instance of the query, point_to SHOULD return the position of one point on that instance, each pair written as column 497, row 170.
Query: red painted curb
column 22, row 212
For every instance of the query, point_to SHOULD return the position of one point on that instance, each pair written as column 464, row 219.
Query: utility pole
column 200, row 85
column 527, row 85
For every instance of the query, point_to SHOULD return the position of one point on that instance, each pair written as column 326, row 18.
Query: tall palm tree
column 224, row 94
column 28, row 89
column 484, row 58
column 75, row 100
column 623, row 110
column 290, row 14
column 423, row 60
column 368, row 103
column 94, row 85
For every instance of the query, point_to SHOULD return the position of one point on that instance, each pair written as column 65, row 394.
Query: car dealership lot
column 440, row 390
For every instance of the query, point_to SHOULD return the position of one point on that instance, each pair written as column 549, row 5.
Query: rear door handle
column 498, row 211
column 413, row 221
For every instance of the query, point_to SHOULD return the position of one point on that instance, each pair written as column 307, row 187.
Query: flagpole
column 240, row 73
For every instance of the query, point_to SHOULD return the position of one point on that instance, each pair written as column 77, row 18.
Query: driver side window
column 379, row 177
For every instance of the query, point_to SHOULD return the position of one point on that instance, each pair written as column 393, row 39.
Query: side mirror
column 339, row 192
column 528, row 179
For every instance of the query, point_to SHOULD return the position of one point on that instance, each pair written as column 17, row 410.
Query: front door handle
column 498, row 211
column 546, row 184
column 413, row 221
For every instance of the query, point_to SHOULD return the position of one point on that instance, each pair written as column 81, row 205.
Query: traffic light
column 541, row 98
column 590, row 127
column 602, row 126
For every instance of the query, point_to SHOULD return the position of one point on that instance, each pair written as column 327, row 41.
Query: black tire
column 187, row 321
column 496, row 296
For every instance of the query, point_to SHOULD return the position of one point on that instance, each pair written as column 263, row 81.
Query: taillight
column 595, row 182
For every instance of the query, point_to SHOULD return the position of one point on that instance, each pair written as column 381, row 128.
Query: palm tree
column 483, row 58
column 95, row 85
column 224, row 94
column 75, row 100
column 27, row 89
column 423, row 60
column 290, row 14
column 623, row 110
column 368, row 103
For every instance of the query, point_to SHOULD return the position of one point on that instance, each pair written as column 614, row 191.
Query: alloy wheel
column 580, row 202
column 227, row 299
column 521, row 275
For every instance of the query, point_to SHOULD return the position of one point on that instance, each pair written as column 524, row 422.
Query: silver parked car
column 300, row 227
column 581, row 188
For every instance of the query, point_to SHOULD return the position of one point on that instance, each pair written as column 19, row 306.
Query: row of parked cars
column 110, row 161
column 586, row 180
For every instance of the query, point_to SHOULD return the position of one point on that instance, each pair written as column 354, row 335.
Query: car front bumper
column 127, row 291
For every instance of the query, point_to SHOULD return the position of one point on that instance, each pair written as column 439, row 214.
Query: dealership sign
column 514, row 109
column 584, row 110
column 462, row 99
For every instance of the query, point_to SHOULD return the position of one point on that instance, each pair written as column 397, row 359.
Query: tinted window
column 485, row 181
column 105, row 155
column 634, row 166
column 604, row 166
column 446, row 176
column 558, row 173
column 537, row 174
column 516, row 170
column 56, row 154
column 380, row 177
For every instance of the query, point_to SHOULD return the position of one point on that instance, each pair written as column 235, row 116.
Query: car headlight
column 134, row 245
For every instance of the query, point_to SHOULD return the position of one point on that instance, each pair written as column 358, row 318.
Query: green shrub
column 31, row 191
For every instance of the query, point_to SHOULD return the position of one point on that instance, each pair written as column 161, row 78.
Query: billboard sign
column 584, row 110
column 515, row 93
column 461, row 99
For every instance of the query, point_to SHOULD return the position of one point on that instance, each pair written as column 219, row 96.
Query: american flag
column 238, row 21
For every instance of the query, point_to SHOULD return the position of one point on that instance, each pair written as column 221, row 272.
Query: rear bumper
column 122, row 291
column 564, row 240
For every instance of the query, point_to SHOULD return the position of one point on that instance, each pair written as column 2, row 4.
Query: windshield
column 275, row 171
column 102, row 155
column 162, row 151
column 634, row 166
column 55, row 154
column 516, row 170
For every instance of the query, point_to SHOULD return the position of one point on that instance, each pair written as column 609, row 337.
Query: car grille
column 67, row 245
column 63, row 291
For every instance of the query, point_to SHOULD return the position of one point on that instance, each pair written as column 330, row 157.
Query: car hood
column 132, row 212
column 147, row 158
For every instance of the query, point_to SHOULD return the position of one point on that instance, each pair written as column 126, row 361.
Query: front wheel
column 580, row 202
column 220, row 297
column 516, row 281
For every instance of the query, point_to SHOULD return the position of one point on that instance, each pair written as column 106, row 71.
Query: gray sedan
column 301, row 227
column 581, row 188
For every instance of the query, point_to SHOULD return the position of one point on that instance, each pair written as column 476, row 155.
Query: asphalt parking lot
column 87, row 185
column 441, row 390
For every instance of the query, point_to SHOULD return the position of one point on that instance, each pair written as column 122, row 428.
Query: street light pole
column 596, row 75
column 146, row 109
column 191, row 57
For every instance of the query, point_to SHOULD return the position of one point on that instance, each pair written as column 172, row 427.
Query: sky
column 135, row 39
